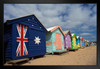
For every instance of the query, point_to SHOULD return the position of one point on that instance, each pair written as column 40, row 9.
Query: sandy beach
column 86, row 56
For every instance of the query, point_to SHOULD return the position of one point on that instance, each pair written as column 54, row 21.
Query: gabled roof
column 81, row 38
column 24, row 19
column 77, row 37
column 85, row 40
column 51, row 29
column 73, row 35
column 66, row 32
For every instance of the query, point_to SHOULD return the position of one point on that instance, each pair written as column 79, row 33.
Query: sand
column 86, row 56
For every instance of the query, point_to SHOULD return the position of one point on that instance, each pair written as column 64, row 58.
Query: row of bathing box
column 26, row 37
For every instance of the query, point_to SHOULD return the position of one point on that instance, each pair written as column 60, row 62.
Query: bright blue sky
column 78, row 18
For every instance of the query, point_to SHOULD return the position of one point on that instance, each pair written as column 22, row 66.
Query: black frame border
column 2, row 2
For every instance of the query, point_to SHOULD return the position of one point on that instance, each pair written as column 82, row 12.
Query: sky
column 78, row 18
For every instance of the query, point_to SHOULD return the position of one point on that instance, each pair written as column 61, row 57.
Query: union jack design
column 21, row 49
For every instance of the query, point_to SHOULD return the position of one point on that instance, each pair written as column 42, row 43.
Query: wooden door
column 58, row 41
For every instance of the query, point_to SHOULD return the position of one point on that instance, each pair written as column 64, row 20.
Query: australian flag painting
column 21, row 48
column 24, row 38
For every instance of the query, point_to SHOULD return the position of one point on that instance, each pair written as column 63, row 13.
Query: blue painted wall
column 35, row 29
column 83, row 43
column 7, row 42
column 78, row 41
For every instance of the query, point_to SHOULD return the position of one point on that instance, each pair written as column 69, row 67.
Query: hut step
column 14, row 62
column 59, row 52
column 70, row 49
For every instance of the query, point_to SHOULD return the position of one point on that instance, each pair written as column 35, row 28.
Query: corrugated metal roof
column 51, row 29
column 73, row 35
column 66, row 31
column 21, row 17
column 25, row 17
column 48, row 29
column 77, row 37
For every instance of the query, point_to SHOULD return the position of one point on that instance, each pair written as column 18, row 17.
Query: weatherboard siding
column 83, row 43
column 73, row 42
column 8, row 42
column 78, row 42
column 68, row 44
column 51, row 37
column 49, row 40
column 89, row 43
column 54, row 40
column 34, row 29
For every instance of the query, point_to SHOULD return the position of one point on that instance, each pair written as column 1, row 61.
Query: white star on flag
column 37, row 40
